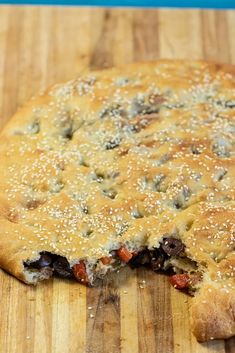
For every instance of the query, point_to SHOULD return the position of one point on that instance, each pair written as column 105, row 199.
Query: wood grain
column 130, row 312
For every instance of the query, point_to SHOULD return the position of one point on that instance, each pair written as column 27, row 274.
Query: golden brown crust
column 127, row 156
column 213, row 314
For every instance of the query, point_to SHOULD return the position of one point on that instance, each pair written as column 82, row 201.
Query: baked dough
column 123, row 158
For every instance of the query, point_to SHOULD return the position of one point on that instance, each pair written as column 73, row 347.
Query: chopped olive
column 34, row 128
column 68, row 133
column 143, row 258
column 62, row 268
column 157, row 260
column 230, row 104
column 195, row 150
column 56, row 263
column 172, row 246
column 45, row 260
column 113, row 143
column 110, row 193
column 113, row 111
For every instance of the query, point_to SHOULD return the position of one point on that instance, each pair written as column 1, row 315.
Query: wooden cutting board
column 131, row 312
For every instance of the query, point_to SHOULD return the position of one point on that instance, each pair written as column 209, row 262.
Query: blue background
column 216, row 4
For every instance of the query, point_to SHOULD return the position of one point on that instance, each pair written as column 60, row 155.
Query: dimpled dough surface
column 126, row 156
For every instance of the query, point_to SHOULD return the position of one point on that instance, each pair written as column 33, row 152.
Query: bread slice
column 131, row 165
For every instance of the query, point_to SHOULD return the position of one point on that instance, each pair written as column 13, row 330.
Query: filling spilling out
column 169, row 257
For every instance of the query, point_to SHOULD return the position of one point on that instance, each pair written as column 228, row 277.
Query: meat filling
column 169, row 255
